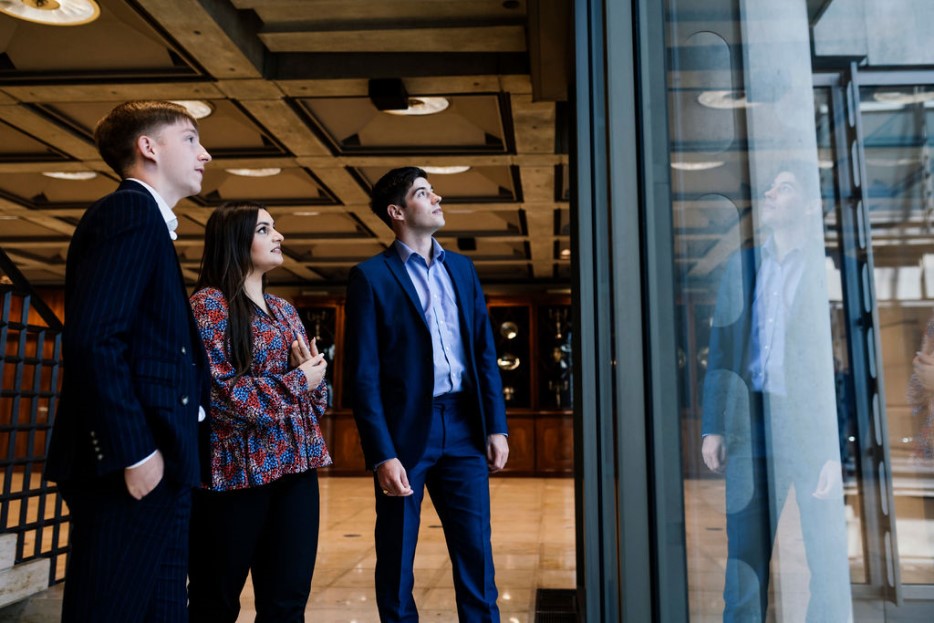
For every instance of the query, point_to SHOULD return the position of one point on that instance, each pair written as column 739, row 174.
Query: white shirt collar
column 171, row 221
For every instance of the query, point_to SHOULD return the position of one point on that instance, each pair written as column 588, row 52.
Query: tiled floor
column 533, row 547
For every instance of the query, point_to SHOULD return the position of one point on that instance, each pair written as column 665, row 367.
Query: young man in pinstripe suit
column 124, row 445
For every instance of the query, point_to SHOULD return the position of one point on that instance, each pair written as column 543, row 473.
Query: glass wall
column 803, row 216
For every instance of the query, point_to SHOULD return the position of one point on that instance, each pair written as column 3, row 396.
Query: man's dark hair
column 807, row 176
column 225, row 264
column 116, row 133
column 391, row 189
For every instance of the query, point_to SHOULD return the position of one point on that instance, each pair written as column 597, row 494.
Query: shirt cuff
column 135, row 465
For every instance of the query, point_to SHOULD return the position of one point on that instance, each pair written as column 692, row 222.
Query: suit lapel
column 397, row 268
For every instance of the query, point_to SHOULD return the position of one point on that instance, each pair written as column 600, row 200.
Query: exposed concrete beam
column 117, row 92
column 280, row 119
column 421, row 40
column 48, row 132
column 219, row 38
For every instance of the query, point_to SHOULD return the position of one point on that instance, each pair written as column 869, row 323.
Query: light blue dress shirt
column 439, row 304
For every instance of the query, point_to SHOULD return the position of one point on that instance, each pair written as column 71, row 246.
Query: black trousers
column 271, row 531
column 128, row 558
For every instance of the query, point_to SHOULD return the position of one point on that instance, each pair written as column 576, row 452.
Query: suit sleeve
column 491, row 383
column 111, row 276
column 724, row 390
column 363, row 363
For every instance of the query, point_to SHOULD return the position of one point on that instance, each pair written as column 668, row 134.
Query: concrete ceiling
column 288, row 82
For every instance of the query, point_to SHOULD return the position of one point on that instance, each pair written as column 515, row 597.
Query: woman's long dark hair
column 228, row 238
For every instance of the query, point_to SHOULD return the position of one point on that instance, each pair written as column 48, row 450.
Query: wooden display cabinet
column 533, row 347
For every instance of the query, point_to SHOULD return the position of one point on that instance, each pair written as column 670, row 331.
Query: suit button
column 184, row 400
column 100, row 457
column 184, row 350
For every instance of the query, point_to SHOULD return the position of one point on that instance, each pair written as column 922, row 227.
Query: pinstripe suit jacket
column 134, row 368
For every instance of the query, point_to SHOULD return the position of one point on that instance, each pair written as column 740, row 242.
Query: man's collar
column 168, row 215
column 405, row 251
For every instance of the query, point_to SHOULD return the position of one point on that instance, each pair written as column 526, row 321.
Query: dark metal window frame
column 35, row 346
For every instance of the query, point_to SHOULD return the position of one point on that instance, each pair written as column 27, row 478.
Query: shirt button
column 100, row 457
column 184, row 400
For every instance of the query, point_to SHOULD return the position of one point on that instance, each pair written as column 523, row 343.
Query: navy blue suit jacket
column 135, row 370
column 390, row 357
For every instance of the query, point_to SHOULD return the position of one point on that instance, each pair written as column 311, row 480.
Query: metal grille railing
column 30, row 507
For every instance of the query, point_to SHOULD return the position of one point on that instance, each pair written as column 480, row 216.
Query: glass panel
column 774, row 510
column 896, row 122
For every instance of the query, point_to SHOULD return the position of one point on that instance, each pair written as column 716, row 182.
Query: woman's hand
column 309, row 361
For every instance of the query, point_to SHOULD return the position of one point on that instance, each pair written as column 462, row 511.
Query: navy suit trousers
column 129, row 558
column 454, row 470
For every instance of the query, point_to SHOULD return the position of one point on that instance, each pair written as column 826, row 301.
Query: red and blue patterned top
column 264, row 424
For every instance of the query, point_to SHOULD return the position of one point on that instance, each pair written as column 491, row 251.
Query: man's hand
column 830, row 481
column 497, row 451
column 714, row 452
column 142, row 479
column 393, row 479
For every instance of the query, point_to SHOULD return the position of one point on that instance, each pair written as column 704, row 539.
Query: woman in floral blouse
column 259, row 512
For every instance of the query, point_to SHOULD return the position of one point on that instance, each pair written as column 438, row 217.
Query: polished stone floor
column 533, row 547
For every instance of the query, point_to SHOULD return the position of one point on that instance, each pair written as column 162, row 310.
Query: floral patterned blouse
column 264, row 424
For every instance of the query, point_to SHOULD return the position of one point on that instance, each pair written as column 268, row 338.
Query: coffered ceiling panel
column 469, row 124
column 480, row 184
column 16, row 146
column 288, row 85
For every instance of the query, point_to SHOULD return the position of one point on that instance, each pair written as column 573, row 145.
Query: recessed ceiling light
column 7, row 217
column 445, row 170
column 267, row 172
column 422, row 106
column 306, row 213
column 199, row 109
column 724, row 99
column 71, row 175
column 697, row 166
column 52, row 12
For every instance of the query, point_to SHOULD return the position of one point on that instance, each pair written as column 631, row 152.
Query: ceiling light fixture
column 267, row 172
column 199, row 109
column 306, row 213
column 71, row 175
column 423, row 106
column 724, row 99
column 565, row 254
column 697, row 166
column 453, row 170
column 52, row 12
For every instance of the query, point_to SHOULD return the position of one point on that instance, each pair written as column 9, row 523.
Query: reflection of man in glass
column 769, row 418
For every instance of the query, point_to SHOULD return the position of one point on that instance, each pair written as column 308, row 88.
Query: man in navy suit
column 124, row 445
column 427, row 398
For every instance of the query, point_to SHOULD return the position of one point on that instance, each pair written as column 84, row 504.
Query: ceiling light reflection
column 697, row 166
